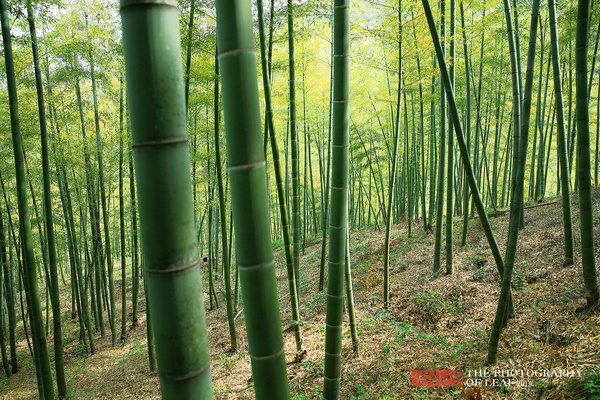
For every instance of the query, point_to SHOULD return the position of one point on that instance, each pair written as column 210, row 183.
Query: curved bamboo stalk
column 461, row 142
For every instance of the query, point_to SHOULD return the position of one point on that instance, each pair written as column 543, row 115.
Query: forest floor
column 432, row 324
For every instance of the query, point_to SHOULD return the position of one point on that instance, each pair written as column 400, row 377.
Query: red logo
column 435, row 377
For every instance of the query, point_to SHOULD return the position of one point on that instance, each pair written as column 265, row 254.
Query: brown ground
column 441, row 323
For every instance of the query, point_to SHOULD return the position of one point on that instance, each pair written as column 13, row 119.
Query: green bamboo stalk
column 550, row 131
column 295, row 149
column 388, row 221
column 364, row 191
column 249, row 198
column 135, row 274
column 450, row 164
column 516, row 206
column 211, row 257
column 56, row 317
column 478, row 98
column 597, row 152
column 80, row 275
column 518, row 52
column 325, row 219
column 105, row 219
column 150, row 334
column 223, row 218
column 467, row 193
column 43, row 272
column 439, row 214
column 10, row 306
column 160, row 145
column 279, row 183
column 517, row 82
column 339, row 199
column 538, row 113
column 561, row 137
column 188, row 54
column 350, row 295
column 543, row 124
column 432, row 152
column 29, row 270
column 597, row 41
column 4, row 264
column 422, row 131
column 461, row 141
column 73, row 259
column 94, row 219
column 405, row 175
column 496, row 164
column 122, row 213
column 584, row 175
column 310, row 173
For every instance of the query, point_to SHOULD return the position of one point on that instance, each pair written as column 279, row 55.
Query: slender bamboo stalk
column 135, row 268
column 597, row 152
column 561, row 136
column 467, row 193
column 10, row 304
column 105, row 219
column 279, row 183
column 325, row 218
column 538, row 113
column 188, row 53
column 461, row 141
column 223, row 219
column 439, row 214
column 122, row 213
column 388, row 221
column 29, row 270
column 450, row 164
column 295, row 149
column 432, row 152
column 516, row 206
column 79, row 271
column 584, row 175
column 350, row 295
column 339, row 199
column 4, row 264
column 150, row 333
column 56, row 317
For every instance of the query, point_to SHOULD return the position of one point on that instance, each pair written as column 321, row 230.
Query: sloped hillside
column 432, row 324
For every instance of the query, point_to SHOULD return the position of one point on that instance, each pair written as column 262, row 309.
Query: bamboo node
column 166, row 142
column 175, row 271
column 186, row 377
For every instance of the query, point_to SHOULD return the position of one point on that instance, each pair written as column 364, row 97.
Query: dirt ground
column 431, row 324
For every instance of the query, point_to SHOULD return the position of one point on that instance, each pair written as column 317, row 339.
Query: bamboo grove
column 164, row 147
